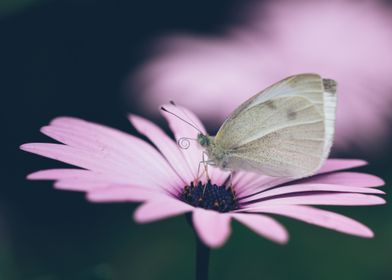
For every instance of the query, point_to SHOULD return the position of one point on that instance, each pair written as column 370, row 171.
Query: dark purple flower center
column 210, row 196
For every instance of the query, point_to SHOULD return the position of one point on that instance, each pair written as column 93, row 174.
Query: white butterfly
column 284, row 131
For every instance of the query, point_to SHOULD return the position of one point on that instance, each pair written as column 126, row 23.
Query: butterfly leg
column 229, row 181
column 205, row 164
column 198, row 175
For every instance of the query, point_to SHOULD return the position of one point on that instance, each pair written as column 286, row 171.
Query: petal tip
column 380, row 201
column 62, row 119
column 369, row 234
column 32, row 176
column 91, row 196
column 134, row 120
column 138, row 217
column 380, row 182
column 282, row 242
column 365, row 232
column 46, row 130
column 358, row 162
column 213, row 244
column 213, row 228
column 132, row 117
column 27, row 147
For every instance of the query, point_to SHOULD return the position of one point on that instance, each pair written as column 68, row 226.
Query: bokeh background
column 80, row 58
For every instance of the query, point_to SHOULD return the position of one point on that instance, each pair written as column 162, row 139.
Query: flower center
column 210, row 196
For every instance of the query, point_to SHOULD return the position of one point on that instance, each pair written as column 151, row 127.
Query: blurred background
column 100, row 59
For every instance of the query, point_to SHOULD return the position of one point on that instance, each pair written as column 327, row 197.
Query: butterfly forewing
column 286, row 130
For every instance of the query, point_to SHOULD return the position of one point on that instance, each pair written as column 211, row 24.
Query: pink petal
column 264, row 226
column 105, row 140
column 82, row 134
column 60, row 173
column 320, row 218
column 340, row 164
column 354, row 179
column 300, row 188
column 121, row 193
column 165, row 144
column 75, row 179
column 133, row 172
column 113, row 145
column 80, row 185
column 218, row 176
column 71, row 155
column 160, row 209
column 344, row 199
column 247, row 183
column 250, row 183
column 74, row 175
column 212, row 227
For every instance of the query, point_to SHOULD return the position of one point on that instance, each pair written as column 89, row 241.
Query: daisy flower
column 119, row 167
column 349, row 41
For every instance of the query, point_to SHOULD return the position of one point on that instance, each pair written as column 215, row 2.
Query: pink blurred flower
column 349, row 41
column 119, row 167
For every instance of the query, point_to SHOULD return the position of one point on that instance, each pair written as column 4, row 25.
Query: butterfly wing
column 285, row 130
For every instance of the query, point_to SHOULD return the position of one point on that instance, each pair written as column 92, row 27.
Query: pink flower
column 349, row 41
column 118, row 167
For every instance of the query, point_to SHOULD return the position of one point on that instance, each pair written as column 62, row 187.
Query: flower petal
column 134, row 171
column 114, row 146
column 160, row 209
column 247, row 183
column 121, row 193
column 320, row 218
column 71, row 155
column 251, row 183
column 95, row 137
column 76, row 179
column 340, row 164
column 165, row 144
column 354, row 179
column 61, row 173
column 80, row 185
column 264, row 226
column 344, row 199
column 86, row 180
column 212, row 227
column 310, row 188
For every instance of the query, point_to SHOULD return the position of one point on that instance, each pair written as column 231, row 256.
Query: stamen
column 210, row 196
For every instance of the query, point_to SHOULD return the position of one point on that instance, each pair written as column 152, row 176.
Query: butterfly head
column 203, row 140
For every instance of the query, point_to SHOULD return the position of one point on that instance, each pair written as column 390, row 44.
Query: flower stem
column 202, row 254
column 202, row 259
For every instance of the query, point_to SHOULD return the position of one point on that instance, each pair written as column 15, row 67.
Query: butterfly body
column 284, row 131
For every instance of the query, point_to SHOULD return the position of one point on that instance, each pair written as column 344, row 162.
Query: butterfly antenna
column 184, row 142
column 185, row 121
column 185, row 114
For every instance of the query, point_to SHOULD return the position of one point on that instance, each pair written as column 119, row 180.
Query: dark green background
column 73, row 58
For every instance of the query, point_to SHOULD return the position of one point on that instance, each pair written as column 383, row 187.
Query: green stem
column 202, row 254
column 202, row 259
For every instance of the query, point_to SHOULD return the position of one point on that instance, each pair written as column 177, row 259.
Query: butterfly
column 285, row 130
